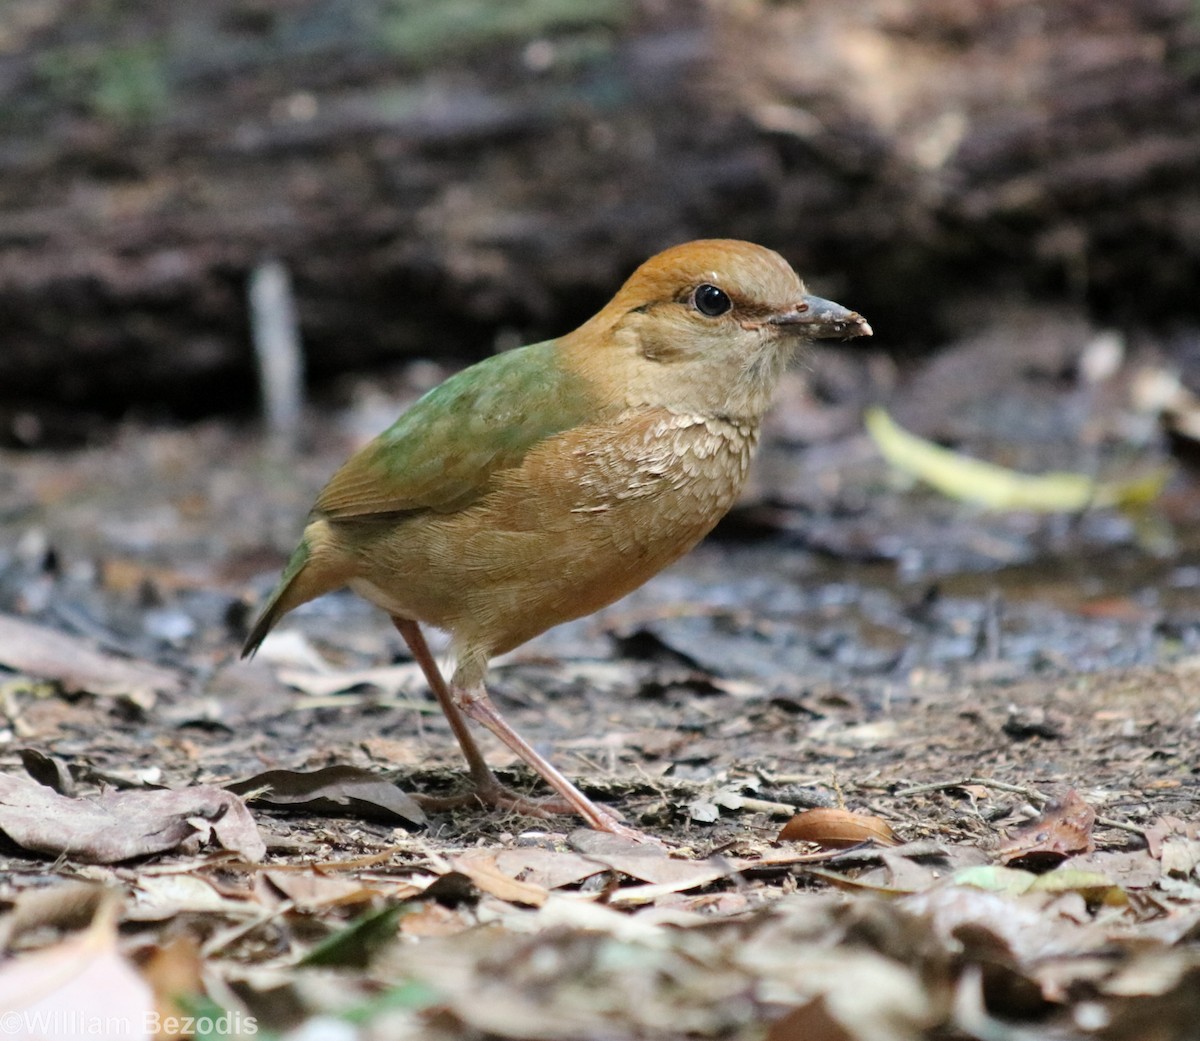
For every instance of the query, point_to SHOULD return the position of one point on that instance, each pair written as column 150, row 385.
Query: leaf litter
column 114, row 826
column 884, row 690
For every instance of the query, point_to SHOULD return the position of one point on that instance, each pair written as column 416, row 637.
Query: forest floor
column 992, row 717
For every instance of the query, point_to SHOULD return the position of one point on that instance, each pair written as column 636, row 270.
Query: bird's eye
column 711, row 301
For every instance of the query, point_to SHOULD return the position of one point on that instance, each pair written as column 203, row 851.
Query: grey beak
column 822, row 320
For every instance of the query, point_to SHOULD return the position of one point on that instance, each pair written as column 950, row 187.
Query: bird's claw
column 498, row 796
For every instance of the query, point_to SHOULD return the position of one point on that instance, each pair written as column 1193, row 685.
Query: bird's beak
column 822, row 320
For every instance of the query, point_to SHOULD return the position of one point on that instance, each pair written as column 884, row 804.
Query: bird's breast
column 696, row 462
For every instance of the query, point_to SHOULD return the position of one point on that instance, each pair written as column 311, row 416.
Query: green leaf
column 354, row 946
column 996, row 879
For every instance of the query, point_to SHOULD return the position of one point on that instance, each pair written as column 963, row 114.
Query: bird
column 545, row 482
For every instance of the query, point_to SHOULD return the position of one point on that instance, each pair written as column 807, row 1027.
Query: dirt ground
column 991, row 717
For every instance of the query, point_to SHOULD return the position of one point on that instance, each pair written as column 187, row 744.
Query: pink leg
column 481, row 773
column 478, row 705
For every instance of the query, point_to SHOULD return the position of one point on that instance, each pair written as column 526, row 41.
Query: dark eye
column 711, row 301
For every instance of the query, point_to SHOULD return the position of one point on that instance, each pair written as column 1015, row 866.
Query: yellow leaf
column 997, row 487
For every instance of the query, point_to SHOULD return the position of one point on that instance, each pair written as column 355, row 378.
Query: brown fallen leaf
column 60, row 990
column 871, row 882
column 1176, row 844
column 809, row 1022
column 712, row 905
column 772, row 860
column 156, row 898
column 433, row 919
column 480, row 867
column 700, row 875
column 75, row 664
column 48, row 770
column 1094, row 886
column 368, row 860
column 1130, row 868
column 649, row 864
column 674, row 875
column 906, row 874
column 115, row 826
column 1007, row 925
column 834, row 828
column 175, row 973
column 1063, row 829
column 68, row 905
column 126, row 576
column 550, row 868
column 309, row 890
column 343, row 791
column 399, row 679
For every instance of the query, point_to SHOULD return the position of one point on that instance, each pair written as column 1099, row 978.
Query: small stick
column 1037, row 798
column 275, row 330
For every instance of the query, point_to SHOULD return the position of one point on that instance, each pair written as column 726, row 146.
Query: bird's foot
column 600, row 818
column 497, row 795
column 493, row 793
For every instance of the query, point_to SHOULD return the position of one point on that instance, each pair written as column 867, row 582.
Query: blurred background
column 440, row 177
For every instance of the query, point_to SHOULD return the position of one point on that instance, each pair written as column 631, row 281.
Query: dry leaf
column 157, row 898
column 1063, row 829
column 434, row 919
column 837, row 829
column 334, row 791
column 1129, row 869
column 310, row 891
column 69, row 905
column 906, row 875
column 1015, row 922
column 75, row 664
column 655, row 867
column 700, row 875
column 995, row 879
column 174, row 972
column 546, row 867
column 115, row 826
column 480, row 867
column 82, row 982
column 396, row 679
column 1176, row 843
column 1093, row 886
column 48, row 770
column 809, row 1022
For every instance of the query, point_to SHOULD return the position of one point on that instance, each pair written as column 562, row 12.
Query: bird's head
column 708, row 327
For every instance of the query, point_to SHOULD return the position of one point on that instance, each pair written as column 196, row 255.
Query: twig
column 276, row 334
column 1038, row 799
column 225, row 938
column 1133, row 829
column 1032, row 794
column 776, row 809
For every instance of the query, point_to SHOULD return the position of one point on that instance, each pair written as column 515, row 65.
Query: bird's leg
column 477, row 703
column 488, row 789
column 481, row 773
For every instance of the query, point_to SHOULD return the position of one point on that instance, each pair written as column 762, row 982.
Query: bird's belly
column 585, row 520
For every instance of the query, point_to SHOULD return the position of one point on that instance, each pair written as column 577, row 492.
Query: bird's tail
column 312, row 571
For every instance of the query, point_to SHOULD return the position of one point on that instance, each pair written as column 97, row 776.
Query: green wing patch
column 443, row 453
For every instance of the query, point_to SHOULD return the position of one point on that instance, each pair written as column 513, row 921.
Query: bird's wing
column 443, row 453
